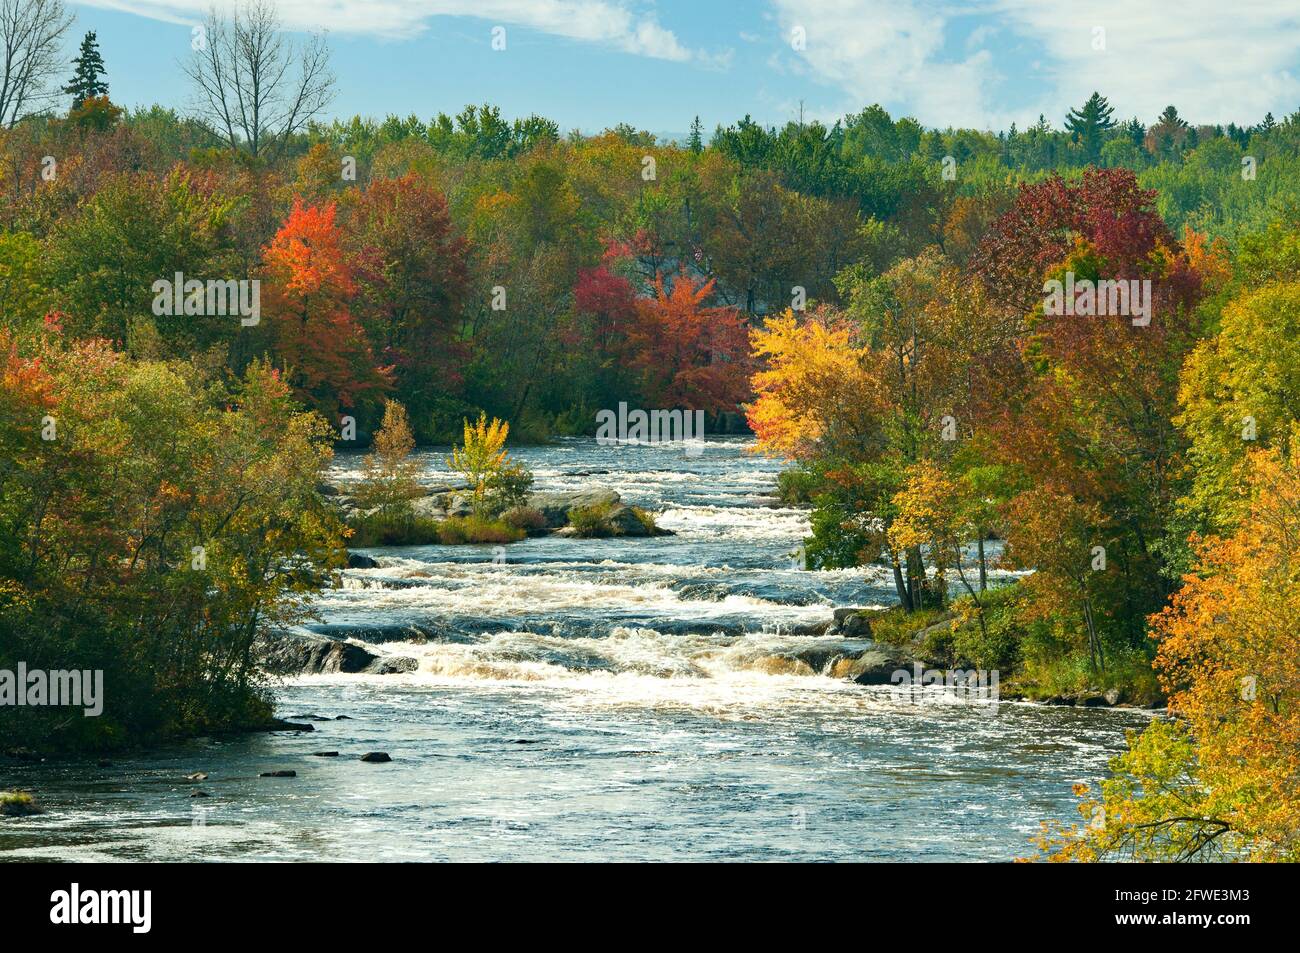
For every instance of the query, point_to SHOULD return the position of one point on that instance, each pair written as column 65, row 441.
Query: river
column 618, row 699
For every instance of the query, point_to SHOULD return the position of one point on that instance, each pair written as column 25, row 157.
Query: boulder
column 392, row 665
column 625, row 522
column 298, row 653
column 875, row 666
column 358, row 561
column 855, row 623
column 376, row 757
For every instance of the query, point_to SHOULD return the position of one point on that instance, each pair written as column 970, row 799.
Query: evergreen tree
column 88, row 78
column 696, row 140
column 1086, row 125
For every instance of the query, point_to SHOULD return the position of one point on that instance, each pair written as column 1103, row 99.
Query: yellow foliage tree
column 1221, row 780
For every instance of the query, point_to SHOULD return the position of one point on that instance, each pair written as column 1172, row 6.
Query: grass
column 477, row 529
column 409, row 530
column 414, row 530
column 17, row 804
column 647, row 519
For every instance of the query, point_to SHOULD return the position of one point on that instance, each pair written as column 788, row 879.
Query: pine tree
column 88, row 78
column 1086, row 125
column 696, row 141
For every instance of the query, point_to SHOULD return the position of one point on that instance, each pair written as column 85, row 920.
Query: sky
column 590, row 64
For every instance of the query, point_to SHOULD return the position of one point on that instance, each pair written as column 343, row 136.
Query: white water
column 588, row 699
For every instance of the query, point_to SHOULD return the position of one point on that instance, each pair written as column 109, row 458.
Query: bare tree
column 31, row 43
column 256, row 88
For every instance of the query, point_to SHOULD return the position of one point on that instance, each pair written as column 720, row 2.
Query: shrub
column 797, row 487
column 592, row 522
column 524, row 517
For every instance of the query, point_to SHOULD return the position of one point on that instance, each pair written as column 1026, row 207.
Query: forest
column 866, row 296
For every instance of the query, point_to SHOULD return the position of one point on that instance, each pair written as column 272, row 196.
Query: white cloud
column 611, row 23
column 1218, row 62
column 889, row 51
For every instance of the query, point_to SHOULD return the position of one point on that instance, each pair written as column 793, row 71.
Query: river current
column 624, row 699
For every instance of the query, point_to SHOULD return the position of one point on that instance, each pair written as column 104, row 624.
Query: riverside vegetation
column 160, row 474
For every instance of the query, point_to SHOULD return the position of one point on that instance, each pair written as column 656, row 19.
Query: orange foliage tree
column 315, row 334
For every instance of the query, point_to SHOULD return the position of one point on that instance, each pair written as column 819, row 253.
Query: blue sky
column 589, row 64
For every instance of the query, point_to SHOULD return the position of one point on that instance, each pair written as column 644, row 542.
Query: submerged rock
column 376, row 757
column 278, row 774
column 393, row 665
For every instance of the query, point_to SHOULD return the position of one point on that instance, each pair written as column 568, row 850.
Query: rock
column 310, row 718
column 343, row 718
column 1091, row 700
column 199, row 794
column 855, row 623
column 625, row 522
column 329, row 489
column 279, row 724
column 875, row 666
column 460, row 504
column 278, row 774
column 324, row 754
column 1113, row 696
column 298, row 653
column 196, row 776
column 555, row 506
column 821, row 655
column 358, row 561
column 429, row 507
column 376, row 757
column 392, row 665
